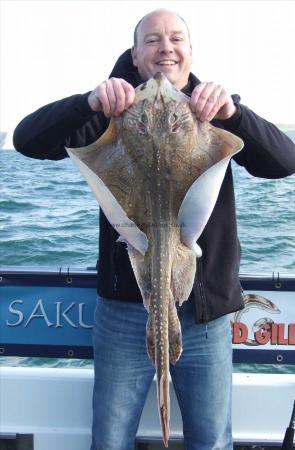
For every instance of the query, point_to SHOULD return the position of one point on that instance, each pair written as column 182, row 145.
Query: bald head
column 156, row 11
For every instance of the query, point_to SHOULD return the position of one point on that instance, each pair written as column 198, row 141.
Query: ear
column 134, row 55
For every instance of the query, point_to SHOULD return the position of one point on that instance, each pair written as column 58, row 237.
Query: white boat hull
column 54, row 405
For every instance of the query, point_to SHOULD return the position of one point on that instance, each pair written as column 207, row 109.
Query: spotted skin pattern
column 148, row 159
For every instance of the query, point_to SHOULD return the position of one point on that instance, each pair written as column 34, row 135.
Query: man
column 123, row 372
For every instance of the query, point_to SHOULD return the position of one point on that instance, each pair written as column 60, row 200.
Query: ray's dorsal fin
column 201, row 197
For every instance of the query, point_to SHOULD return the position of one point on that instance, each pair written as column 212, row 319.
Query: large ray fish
column 156, row 173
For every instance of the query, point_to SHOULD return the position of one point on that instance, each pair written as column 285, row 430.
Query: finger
column 202, row 97
column 206, row 101
column 111, row 96
column 101, row 93
column 195, row 95
column 212, row 104
column 120, row 96
column 221, row 102
column 129, row 93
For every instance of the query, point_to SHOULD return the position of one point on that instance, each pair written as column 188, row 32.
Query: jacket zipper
column 204, row 318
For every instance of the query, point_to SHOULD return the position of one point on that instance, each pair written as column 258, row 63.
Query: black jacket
column 267, row 153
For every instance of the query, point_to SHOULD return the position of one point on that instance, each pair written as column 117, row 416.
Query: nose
column 165, row 45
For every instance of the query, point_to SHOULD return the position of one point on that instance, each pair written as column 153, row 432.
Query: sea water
column 48, row 217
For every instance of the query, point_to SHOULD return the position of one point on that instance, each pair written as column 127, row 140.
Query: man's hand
column 210, row 100
column 112, row 97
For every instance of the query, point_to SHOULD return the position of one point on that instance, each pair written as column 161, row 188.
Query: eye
column 142, row 123
column 151, row 40
column 174, row 122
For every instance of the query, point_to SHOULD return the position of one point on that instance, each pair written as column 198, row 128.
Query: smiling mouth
column 167, row 62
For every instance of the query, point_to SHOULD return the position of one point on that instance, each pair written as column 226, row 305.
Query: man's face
column 163, row 46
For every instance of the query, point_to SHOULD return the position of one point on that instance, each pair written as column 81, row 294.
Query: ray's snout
column 157, row 88
column 159, row 76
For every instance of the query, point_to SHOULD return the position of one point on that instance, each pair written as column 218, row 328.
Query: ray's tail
column 158, row 351
column 163, row 346
column 162, row 370
column 164, row 408
column 163, row 328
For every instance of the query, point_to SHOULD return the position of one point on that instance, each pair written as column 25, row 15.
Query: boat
column 47, row 313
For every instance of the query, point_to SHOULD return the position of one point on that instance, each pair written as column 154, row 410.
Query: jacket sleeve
column 67, row 122
column 267, row 152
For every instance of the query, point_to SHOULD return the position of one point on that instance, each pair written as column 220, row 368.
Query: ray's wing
column 108, row 170
column 201, row 197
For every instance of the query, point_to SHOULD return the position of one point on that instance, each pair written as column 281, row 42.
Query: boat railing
column 48, row 312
